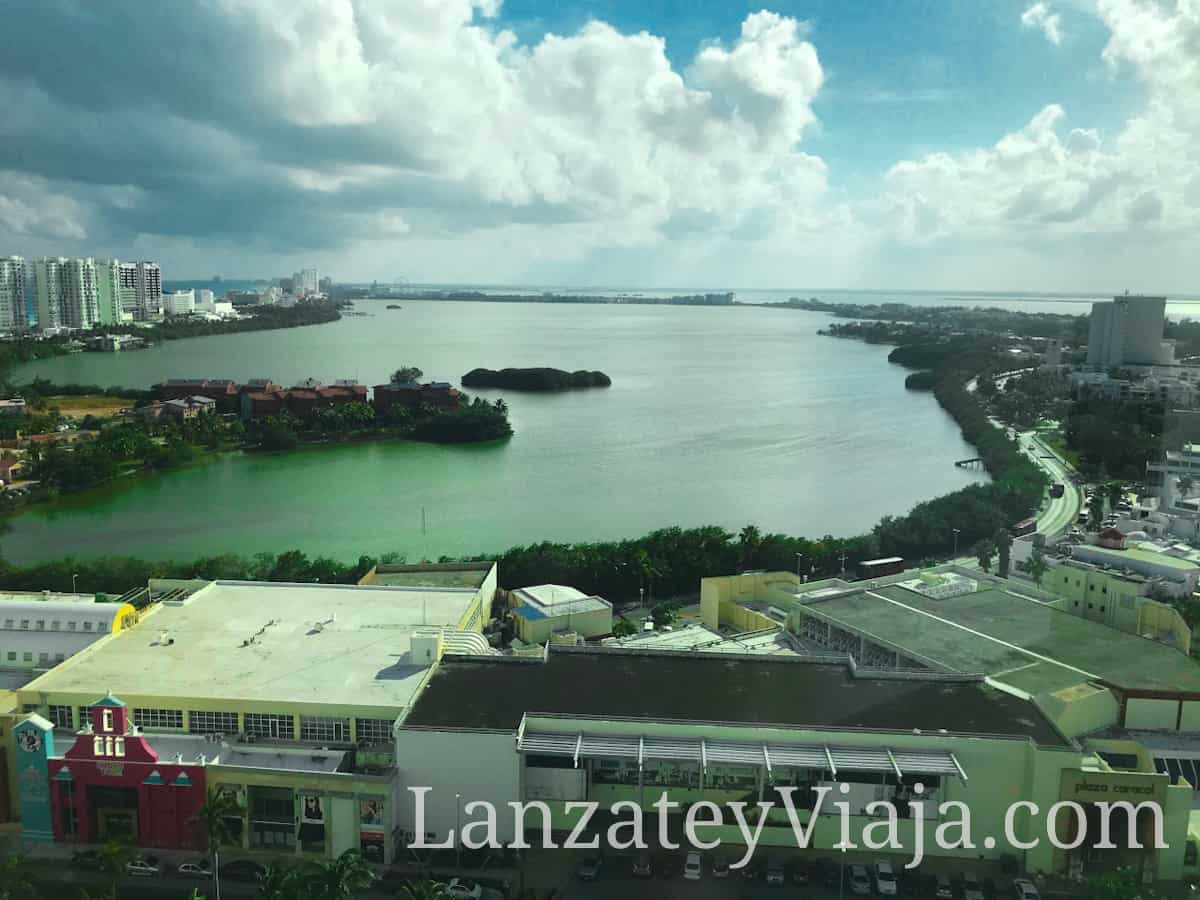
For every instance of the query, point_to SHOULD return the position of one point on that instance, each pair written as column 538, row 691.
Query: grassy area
column 88, row 405
column 1053, row 439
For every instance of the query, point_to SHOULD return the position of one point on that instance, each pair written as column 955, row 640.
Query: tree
column 114, row 858
column 1096, row 510
column 1119, row 884
column 338, row 879
column 15, row 878
column 1185, row 485
column 662, row 615
column 213, row 820
column 405, row 374
column 423, row 890
column 1003, row 541
column 621, row 628
column 749, row 540
column 984, row 551
column 1115, row 492
column 1035, row 567
column 278, row 882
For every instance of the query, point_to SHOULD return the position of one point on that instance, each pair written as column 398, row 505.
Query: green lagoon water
column 716, row 415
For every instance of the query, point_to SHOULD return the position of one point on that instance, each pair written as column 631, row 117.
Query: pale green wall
column 1151, row 715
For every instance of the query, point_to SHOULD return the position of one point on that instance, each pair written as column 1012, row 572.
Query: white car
column 885, row 879
column 195, row 868
column 1025, row 889
column 860, row 881
column 464, row 889
column 142, row 865
column 691, row 867
column 971, row 888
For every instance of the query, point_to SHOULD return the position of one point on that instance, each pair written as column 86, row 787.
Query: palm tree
column 15, row 878
column 1185, row 485
column 423, row 890
column 338, row 879
column 213, row 819
column 1035, row 567
column 114, row 857
column 278, row 883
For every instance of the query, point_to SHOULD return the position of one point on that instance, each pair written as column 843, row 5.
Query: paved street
column 1060, row 513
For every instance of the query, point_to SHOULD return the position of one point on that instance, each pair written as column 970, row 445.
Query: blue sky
column 903, row 78
column 943, row 144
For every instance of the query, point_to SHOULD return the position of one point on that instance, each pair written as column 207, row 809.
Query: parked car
column 142, row 865
column 464, row 889
column 195, row 868
column 799, row 872
column 752, row 870
column 828, row 872
column 642, row 867
column 668, row 865
column 775, row 871
column 691, row 867
column 589, row 869
column 1024, row 889
column 885, row 879
column 720, row 867
column 242, row 870
column 971, row 888
column 860, row 881
column 944, row 890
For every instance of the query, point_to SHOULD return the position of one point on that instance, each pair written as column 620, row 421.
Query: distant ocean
column 1179, row 306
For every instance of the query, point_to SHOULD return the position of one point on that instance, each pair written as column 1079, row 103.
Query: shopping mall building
column 283, row 695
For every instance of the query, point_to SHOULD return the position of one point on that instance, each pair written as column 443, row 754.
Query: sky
column 862, row 144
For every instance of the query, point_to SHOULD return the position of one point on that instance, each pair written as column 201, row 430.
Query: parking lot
column 615, row 879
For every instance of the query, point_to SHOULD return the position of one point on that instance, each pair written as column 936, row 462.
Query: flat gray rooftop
column 287, row 643
column 1020, row 642
column 432, row 576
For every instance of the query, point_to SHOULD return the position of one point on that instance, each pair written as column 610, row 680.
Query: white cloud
column 1040, row 18
column 30, row 208
column 1046, row 186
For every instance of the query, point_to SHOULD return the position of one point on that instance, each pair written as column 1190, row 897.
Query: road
column 1058, row 515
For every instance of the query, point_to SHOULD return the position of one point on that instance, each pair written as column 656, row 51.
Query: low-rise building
column 411, row 395
column 284, row 695
column 546, row 609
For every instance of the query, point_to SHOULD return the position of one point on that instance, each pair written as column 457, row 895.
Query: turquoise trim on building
column 109, row 700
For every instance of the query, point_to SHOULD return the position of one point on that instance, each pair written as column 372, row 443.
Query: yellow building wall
column 1080, row 709
column 719, row 598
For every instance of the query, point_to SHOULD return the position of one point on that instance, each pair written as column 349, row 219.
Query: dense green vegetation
column 883, row 318
column 474, row 421
column 535, row 379
column 258, row 318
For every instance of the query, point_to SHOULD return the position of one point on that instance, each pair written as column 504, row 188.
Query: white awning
column 639, row 748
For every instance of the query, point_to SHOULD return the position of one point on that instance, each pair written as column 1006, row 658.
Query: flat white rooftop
column 253, row 641
column 547, row 600
column 702, row 639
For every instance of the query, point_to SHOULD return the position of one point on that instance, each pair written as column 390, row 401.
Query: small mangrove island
column 539, row 379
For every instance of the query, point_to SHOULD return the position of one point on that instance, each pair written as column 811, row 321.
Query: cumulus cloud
column 316, row 123
column 1045, row 182
column 1039, row 18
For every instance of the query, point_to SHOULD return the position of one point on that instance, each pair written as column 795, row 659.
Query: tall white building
column 205, row 301
column 80, row 300
column 116, row 293
column 47, row 281
column 13, row 315
column 149, row 291
column 306, row 282
column 1128, row 331
column 180, row 303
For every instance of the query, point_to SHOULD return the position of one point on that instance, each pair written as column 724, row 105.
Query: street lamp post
column 74, row 579
column 843, row 563
column 458, row 830
column 799, row 556
column 956, row 543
